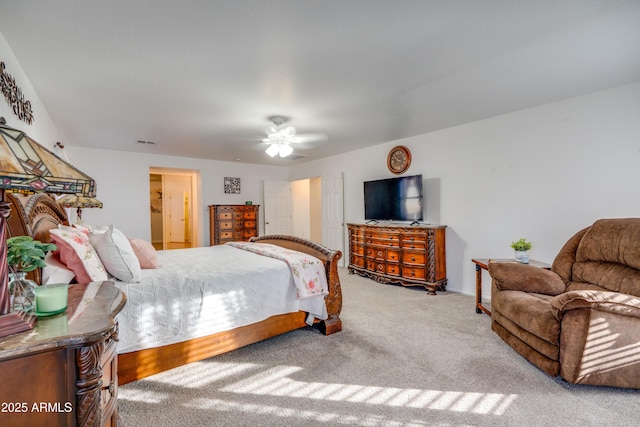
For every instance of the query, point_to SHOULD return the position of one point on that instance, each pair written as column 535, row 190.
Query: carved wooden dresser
column 64, row 371
column 407, row 255
column 229, row 223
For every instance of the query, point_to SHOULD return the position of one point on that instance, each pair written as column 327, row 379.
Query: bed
column 37, row 214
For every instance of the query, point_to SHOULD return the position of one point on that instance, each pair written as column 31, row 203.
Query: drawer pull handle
column 413, row 258
column 379, row 253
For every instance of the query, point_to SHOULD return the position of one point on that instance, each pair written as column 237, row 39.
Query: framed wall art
column 231, row 185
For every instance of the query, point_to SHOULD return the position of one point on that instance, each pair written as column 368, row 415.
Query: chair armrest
column 612, row 302
column 524, row 277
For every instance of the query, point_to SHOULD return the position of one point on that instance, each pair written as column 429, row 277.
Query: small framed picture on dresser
column 231, row 185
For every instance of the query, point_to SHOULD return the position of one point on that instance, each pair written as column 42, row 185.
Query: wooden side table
column 483, row 264
column 64, row 371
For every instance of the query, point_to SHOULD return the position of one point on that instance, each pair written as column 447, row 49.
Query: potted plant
column 24, row 254
column 521, row 246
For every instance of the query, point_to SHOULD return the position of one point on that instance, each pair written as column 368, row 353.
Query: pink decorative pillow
column 145, row 252
column 78, row 255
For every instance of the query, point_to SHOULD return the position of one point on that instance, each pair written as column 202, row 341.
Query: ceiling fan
column 280, row 139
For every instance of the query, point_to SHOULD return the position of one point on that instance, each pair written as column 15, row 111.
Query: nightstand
column 64, row 371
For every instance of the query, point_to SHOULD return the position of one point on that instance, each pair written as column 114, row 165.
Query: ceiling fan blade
column 311, row 137
column 288, row 131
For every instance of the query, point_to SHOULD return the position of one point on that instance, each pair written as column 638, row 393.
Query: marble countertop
column 90, row 314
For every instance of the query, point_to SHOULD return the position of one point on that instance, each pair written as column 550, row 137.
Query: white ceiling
column 200, row 78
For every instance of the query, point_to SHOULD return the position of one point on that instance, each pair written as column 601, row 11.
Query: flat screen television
column 393, row 199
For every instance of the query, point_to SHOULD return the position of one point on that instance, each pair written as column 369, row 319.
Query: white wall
column 42, row 128
column 542, row 173
column 123, row 185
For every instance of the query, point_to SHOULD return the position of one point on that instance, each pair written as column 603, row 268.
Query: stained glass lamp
column 28, row 167
column 79, row 202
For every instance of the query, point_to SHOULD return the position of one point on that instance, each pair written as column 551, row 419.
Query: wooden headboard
column 34, row 215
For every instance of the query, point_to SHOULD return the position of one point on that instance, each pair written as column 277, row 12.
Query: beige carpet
column 404, row 358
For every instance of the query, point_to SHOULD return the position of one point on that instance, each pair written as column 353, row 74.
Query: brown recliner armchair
column 581, row 319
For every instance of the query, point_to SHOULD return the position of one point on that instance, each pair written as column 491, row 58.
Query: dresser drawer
column 411, row 257
column 226, row 225
column 357, row 260
column 249, row 224
column 377, row 253
column 414, row 245
column 384, row 243
column 393, row 269
column 225, row 215
column 380, row 267
column 358, row 232
column 382, row 234
column 249, row 215
column 418, row 273
column 247, row 234
column 226, row 235
column 414, row 237
column 109, row 391
column 393, row 255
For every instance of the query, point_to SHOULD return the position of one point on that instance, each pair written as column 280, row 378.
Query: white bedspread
column 201, row 291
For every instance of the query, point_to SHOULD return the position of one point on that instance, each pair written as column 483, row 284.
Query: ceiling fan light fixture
column 285, row 150
column 281, row 149
column 273, row 150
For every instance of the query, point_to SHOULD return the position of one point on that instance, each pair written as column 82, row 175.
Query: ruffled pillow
column 145, row 252
column 78, row 255
column 116, row 254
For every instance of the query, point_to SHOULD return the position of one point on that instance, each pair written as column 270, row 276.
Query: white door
column 333, row 213
column 177, row 200
column 277, row 207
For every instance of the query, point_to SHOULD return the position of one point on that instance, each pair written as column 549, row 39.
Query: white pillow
column 55, row 271
column 116, row 254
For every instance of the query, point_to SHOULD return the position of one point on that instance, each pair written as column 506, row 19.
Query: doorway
column 174, row 224
column 310, row 208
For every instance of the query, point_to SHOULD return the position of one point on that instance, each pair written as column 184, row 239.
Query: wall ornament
column 13, row 94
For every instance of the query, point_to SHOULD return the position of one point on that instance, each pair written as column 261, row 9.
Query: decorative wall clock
column 399, row 159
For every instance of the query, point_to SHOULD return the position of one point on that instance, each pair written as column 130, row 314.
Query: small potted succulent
column 521, row 246
column 24, row 254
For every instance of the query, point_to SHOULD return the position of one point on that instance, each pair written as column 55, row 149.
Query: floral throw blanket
column 308, row 272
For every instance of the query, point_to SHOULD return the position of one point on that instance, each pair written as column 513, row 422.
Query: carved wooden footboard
column 35, row 215
column 330, row 259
